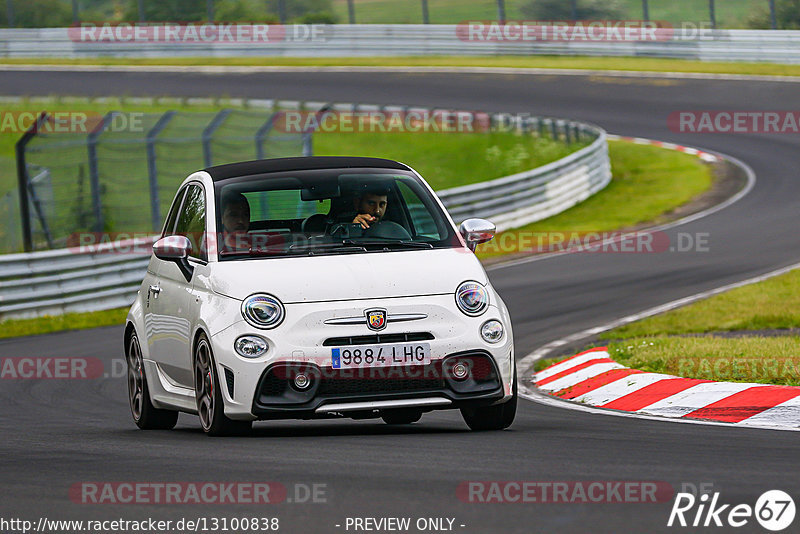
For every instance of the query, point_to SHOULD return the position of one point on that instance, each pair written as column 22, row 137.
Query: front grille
column 376, row 339
column 385, row 380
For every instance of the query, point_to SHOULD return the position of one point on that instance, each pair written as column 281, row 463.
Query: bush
column 324, row 17
column 38, row 13
column 562, row 10
column 296, row 9
column 167, row 11
column 787, row 16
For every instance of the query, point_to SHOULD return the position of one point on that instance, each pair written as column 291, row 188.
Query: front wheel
column 495, row 417
column 207, row 392
column 145, row 415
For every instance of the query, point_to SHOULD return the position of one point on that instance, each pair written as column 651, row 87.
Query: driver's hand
column 364, row 219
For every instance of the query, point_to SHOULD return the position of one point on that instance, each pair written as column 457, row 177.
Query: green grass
column 458, row 159
column 769, row 360
column 771, row 304
column 58, row 323
column 647, row 182
column 729, row 14
column 540, row 62
column 663, row 343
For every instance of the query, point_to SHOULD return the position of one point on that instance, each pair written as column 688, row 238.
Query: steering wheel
column 387, row 230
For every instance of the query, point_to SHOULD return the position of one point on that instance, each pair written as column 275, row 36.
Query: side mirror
column 477, row 231
column 172, row 248
column 175, row 248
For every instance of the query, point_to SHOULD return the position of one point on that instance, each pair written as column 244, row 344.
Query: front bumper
column 301, row 340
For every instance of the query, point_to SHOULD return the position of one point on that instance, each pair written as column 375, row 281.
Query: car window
column 192, row 220
column 169, row 226
column 328, row 211
column 421, row 219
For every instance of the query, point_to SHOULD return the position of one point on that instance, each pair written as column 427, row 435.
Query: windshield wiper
column 413, row 244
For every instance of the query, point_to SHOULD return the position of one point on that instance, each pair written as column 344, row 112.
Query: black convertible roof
column 263, row 166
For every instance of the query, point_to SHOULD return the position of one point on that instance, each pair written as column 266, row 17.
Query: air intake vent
column 376, row 339
column 229, row 380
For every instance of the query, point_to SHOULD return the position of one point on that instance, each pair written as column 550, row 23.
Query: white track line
column 223, row 69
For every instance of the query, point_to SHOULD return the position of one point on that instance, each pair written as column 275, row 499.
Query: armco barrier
column 64, row 280
column 412, row 39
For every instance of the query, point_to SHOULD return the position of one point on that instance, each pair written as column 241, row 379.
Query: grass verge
column 526, row 62
column 58, row 323
column 647, row 183
column 723, row 338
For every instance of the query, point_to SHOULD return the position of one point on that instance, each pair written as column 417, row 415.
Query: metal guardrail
column 66, row 280
column 779, row 46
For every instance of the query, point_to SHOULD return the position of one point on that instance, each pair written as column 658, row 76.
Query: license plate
column 400, row 354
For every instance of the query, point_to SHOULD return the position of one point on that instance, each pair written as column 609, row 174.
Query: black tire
column 497, row 417
column 210, row 405
column 145, row 415
column 401, row 417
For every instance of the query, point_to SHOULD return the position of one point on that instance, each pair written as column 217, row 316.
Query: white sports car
column 317, row 287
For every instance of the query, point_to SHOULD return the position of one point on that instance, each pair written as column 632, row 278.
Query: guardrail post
column 645, row 10
column 712, row 14
column 262, row 133
column 94, row 173
column 425, row 18
column 773, row 19
column 10, row 13
column 351, row 12
column 22, row 181
column 152, row 170
column 501, row 11
column 208, row 133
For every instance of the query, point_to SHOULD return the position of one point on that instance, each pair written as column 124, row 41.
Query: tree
column 787, row 16
column 38, row 13
column 306, row 10
column 167, row 10
column 562, row 10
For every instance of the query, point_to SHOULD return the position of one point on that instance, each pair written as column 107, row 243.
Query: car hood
column 348, row 276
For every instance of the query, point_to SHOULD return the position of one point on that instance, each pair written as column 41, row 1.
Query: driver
column 370, row 206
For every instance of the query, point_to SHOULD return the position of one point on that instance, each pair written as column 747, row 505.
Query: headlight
column 472, row 298
column 262, row 311
column 250, row 346
column 492, row 331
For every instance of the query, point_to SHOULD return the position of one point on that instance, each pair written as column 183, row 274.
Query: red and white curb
column 705, row 156
column 593, row 378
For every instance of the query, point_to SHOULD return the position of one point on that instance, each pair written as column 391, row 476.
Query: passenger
column 235, row 221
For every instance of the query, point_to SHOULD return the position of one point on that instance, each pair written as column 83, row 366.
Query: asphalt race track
column 57, row 433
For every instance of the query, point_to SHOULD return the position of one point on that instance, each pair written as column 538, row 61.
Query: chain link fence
column 78, row 183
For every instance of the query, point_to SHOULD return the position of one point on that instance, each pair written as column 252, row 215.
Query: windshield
column 331, row 211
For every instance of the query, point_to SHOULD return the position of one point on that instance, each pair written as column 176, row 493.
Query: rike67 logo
column 774, row 510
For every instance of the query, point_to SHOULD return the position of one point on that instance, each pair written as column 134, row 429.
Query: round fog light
column 250, row 346
column 302, row 381
column 492, row 331
column 460, row 371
